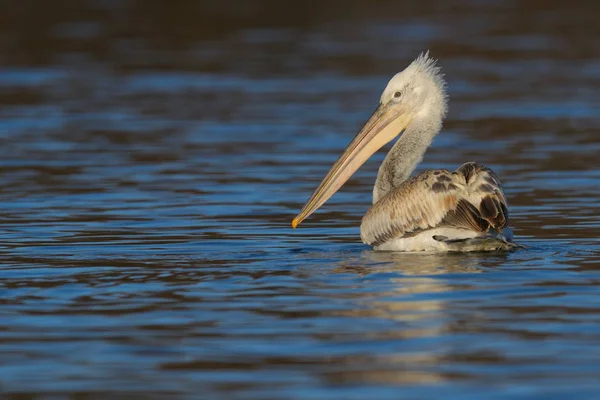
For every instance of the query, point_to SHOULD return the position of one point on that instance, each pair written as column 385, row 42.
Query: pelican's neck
column 406, row 154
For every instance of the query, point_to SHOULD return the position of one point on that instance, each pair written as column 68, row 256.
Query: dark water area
column 153, row 155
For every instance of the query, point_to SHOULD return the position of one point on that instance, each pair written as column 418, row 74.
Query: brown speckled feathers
column 469, row 198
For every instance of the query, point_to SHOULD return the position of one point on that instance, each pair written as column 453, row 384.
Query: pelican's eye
column 397, row 95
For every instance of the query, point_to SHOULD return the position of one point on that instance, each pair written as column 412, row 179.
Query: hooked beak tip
column 295, row 222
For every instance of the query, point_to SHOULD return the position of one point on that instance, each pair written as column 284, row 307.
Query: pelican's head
column 417, row 93
column 419, row 89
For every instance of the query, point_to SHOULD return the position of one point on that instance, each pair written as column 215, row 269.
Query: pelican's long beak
column 385, row 124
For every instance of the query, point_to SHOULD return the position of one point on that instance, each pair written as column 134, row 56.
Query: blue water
column 152, row 159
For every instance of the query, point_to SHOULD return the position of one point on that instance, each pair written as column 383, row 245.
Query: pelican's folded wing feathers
column 470, row 198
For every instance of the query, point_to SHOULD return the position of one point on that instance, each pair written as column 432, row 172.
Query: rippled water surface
column 153, row 155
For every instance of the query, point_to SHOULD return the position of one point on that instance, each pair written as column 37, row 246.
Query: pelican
column 436, row 210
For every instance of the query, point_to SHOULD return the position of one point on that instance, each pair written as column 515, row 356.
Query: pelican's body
column 437, row 210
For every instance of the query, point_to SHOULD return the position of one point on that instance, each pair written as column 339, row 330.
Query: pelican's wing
column 469, row 198
column 486, row 193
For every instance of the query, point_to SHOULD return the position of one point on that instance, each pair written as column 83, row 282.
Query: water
column 152, row 158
